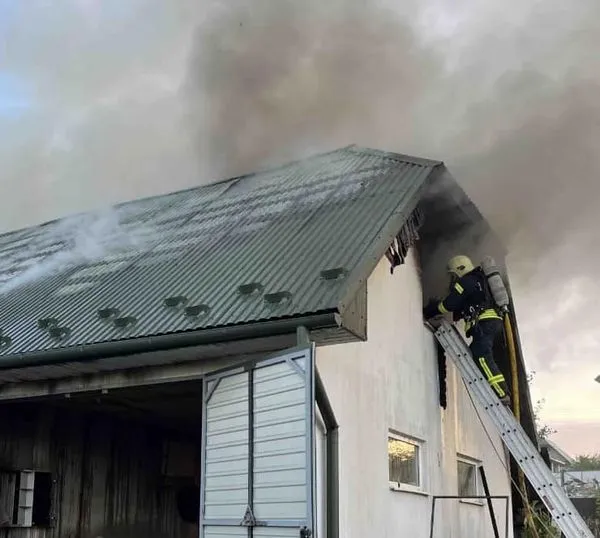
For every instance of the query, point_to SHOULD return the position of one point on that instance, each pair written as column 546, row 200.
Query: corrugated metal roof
column 91, row 279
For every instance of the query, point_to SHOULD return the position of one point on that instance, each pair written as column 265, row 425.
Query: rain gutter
column 165, row 342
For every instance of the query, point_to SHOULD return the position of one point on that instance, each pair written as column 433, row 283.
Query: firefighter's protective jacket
column 469, row 299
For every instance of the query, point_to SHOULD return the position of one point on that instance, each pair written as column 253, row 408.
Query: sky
column 103, row 101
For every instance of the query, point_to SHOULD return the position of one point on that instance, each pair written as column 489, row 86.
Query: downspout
column 333, row 484
column 332, row 446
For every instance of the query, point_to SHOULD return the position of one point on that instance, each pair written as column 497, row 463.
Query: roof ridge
column 354, row 148
column 402, row 157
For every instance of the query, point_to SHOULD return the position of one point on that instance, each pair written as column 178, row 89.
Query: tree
column 543, row 430
column 586, row 462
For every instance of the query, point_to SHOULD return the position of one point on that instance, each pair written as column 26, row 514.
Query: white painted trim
column 407, row 488
column 478, row 486
column 106, row 381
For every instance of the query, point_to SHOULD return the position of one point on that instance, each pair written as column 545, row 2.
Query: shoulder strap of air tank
column 489, row 298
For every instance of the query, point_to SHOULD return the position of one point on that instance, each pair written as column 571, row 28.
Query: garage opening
column 243, row 450
column 111, row 463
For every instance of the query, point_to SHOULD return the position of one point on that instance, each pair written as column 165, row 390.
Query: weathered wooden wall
column 108, row 472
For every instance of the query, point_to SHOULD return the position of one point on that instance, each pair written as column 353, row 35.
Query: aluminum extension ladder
column 514, row 437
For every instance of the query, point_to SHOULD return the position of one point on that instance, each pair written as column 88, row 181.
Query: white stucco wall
column 391, row 381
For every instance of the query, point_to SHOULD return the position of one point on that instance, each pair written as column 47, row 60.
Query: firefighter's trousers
column 484, row 334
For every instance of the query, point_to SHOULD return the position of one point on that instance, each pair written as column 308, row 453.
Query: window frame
column 461, row 458
column 27, row 516
column 421, row 467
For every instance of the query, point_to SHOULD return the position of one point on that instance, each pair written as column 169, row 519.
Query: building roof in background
column 556, row 453
column 288, row 242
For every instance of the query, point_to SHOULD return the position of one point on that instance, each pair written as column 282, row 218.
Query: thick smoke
column 155, row 96
column 279, row 80
column 511, row 105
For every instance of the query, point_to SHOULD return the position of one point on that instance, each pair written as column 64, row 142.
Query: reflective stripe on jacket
column 468, row 297
column 489, row 313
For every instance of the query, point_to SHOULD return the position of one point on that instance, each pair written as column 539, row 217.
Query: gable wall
column 391, row 381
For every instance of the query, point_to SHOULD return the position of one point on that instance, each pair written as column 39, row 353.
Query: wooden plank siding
column 108, row 472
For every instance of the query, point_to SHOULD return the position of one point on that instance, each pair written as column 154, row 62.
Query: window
column 468, row 478
column 557, row 466
column 25, row 499
column 405, row 462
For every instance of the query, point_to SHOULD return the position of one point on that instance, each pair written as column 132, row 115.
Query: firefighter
column 470, row 299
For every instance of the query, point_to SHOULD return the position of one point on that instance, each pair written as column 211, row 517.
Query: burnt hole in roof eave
column 108, row 313
column 59, row 333
column 252, row 289
column 278, row 299
column 52, row 328
column 5, row 340
column 334, row 274
column 124, row 322
column 197, row 311
column 47, row 323
column 175, row 301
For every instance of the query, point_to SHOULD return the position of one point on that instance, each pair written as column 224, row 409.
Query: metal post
column 331, row 426
column 486, row 489
column 432, row 517
column 302, row 336
column 472, row 497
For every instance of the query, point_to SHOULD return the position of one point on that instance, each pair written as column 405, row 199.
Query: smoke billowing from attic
column 510, row 102
column 278, row 79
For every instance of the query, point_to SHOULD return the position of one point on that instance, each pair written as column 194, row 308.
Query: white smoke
column 76, row 240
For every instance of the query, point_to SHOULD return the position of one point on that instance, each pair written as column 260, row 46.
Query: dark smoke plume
column 283, row 79
column 511, row 105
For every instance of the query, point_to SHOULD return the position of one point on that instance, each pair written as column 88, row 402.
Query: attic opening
column 145, row 459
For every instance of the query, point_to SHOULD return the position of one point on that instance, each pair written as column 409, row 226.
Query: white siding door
column 258, row 451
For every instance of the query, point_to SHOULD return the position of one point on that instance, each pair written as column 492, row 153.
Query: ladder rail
column 476, row 382
column 563, row 512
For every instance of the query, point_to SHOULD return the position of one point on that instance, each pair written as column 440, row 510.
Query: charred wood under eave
column 442, row 376
column 406, row 238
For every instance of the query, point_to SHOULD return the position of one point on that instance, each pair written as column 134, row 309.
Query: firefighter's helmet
column 459, row 266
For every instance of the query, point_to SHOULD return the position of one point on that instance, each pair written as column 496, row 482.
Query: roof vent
column 197, row 310
column 124, row 322
column 250, row 289
column 46, row 323
column 5, row 341
column 337, row 273
column 59, row 333
column 279, row 298
column 108, row 313
column 175, row 301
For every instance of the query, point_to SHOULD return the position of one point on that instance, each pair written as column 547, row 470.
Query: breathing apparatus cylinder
column 495, row 282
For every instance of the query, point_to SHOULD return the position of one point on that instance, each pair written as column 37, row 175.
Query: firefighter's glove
column 431, row 309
